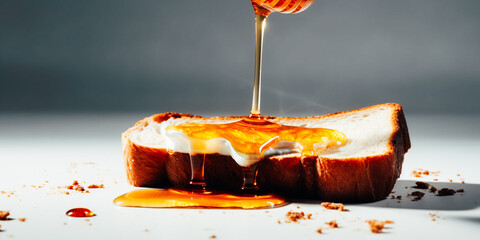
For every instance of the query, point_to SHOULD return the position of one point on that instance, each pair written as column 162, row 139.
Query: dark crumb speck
column 417, row 195
column 421, row 185
column 446, row 192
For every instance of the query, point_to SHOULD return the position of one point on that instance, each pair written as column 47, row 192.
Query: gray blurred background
column 196, row 56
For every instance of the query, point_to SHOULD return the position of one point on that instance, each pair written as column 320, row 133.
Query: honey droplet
column 175, row 198
column 80, row 212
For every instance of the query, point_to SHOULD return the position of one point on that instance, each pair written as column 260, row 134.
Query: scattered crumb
column 213, row 237
column 421, row 185
column 319, row 230
column 79, row 188
column 75, row 186
column 332, row 224
column 450, row 180
column 463, row 182
column 279, row 222
column 298, row 207
column 377, row 226
column 458, row 174
column 445, row 192
column 433, row 189
column 309, row 216
column 416, row 195
column 334, row 206
column 4, row 215
column 435, row 179
column 294, row 216
column 8, row 193
column 460, row 190
column 22, row 219
column 64, row 223
column 399, row 197
column 419, row 172
column 434, row 216
column 146, row 230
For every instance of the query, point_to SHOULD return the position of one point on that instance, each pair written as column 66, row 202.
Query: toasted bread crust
column 347, row 180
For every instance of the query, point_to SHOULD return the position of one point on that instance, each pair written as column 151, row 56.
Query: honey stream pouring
column 246, row 141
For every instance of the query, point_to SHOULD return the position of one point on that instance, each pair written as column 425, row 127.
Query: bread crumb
column 4, row 215
column 146, row 230
column 75, row 186
column 450, row 180
column 460, row 190
column 22, row 219
column 433, row 189
column 213, row 237
column 332, row 224
column 96, row 186
column 434, row 216
column 294, row 216
column 421, row 185
column 377, row 226
column 435, row 179
column 419, row 172
column 319, row 230
column 416, row 195
column 446, row 192
column 463, row 182
column 334, row 206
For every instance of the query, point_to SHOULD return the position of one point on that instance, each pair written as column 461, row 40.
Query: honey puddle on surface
column 175, row 198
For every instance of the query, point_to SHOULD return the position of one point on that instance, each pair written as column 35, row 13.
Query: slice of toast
column 364, row 169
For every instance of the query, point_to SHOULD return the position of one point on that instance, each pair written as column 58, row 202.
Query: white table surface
column 63, row 148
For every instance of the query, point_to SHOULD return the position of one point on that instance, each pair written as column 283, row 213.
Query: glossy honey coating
column 255, row 135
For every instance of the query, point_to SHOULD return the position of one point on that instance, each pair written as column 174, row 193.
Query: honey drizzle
column 257, row 135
